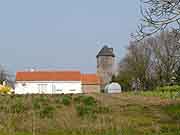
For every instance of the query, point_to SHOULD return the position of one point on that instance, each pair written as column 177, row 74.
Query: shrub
column 42, row 106
column 86, row 106
column 18, row 106
column 86, row 100
column 66, row 100
column 85, row 110
column 5, row 90
column 36, row 104
column 47, row 112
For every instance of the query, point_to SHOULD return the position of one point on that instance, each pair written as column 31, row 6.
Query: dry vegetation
column 96, row 114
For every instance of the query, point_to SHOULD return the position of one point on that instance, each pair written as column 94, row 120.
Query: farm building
column 55, row 82
column 90, row 83
column 58, row 82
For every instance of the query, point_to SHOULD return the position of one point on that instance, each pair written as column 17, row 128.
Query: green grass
column 130, row 113
column 173, row 110
column 167, row 92
column 161, row 94
column 87, row 132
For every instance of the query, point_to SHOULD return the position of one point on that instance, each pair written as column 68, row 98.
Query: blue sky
column 63, row 34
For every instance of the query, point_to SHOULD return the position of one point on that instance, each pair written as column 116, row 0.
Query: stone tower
column 105, row 65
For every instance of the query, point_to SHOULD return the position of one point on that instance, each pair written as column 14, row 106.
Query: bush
column 86, row 106
column 86, row 100
column 66, row 100
column 42, row 106
column 83, row 110
column 47, row 112
column 18, row 106
column 5, row 90
column 39, row 100
column 36, row 104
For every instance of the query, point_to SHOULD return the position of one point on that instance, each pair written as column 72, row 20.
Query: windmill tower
column 105, row 65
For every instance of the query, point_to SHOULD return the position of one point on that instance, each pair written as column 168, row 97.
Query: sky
column 63, row 34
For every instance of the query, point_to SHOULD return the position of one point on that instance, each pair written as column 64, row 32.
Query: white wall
column 54, row 87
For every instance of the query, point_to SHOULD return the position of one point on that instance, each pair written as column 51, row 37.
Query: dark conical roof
column 106, row 51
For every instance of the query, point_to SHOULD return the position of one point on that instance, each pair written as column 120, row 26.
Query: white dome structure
column 113, row 88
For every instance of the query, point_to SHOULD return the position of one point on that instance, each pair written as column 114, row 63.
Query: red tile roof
column 90, row 79
column 48, row 76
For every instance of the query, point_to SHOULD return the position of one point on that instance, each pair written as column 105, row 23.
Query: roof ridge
column 48, row 71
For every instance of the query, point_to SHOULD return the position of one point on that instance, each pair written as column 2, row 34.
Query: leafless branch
column 157, row 15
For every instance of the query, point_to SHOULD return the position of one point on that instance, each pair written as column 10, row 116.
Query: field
column 95, row 114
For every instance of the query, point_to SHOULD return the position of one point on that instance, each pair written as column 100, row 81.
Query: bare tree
column 166, row 52
column 3, row 75
column 6, row 76
column 136, row 64
column 152, row 61
column 158, row 15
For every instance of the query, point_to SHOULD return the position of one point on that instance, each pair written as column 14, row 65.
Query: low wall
column 91, row 88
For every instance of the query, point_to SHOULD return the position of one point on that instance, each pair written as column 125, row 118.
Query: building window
column 42, row 88
column 58, row 89
column 23, row 84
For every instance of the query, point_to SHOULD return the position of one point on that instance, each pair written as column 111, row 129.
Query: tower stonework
column 105, row 65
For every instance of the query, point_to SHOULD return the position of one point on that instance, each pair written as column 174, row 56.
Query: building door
column 53, row 89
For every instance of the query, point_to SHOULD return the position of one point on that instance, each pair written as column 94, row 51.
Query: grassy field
column 95, row 114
